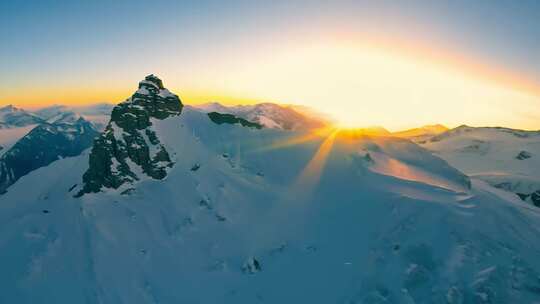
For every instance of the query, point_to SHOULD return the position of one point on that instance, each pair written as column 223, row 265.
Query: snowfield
column 505, row 158
column 270, row 216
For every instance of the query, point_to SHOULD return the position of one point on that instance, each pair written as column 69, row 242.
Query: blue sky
column 506, row 31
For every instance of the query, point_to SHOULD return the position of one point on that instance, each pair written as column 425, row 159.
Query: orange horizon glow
column 430, row 54
column 360, row 81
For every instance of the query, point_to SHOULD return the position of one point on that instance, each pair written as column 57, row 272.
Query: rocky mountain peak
column 151, row 81
column 151, row 100
column 129, row 143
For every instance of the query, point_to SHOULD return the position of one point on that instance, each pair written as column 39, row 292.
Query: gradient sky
column 398, row 64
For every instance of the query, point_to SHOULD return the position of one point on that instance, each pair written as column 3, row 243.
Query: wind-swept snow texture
column 264, row 220
column 505, row 158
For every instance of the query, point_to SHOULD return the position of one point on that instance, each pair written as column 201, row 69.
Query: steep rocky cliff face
column 129, row 148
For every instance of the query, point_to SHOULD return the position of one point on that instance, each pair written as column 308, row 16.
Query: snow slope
column 505, row 158
column 267, row 216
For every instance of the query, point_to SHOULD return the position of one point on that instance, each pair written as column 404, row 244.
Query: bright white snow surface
column 491, row 154
column 332, row 230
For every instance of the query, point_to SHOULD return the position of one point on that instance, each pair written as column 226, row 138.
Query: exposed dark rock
column 129, row 139
column 535, row 198
column 219, row 119
column 272, row 115
column 523, row 155
column 127, row 191
column 205, row 204
column 251, row 266
column 523, row 196
column 368, row 158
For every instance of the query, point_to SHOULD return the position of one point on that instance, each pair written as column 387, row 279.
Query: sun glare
column 369, row 86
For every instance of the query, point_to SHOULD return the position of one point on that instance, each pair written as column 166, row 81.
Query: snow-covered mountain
column 505, row 158
column 12, row 117
column 33, row 140
column 129, row 148
column 98, row 114
column 44, row 144
column 172, row 205
column 269, row 115
column 422, row 134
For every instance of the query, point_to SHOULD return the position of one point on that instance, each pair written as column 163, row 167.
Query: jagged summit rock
column 150, row 100
column 129, row 148
column 152, row 81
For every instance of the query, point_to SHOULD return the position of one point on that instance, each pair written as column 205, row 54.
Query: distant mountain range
column 176, row 204
column 504, row 158
column 31, row 140
column 12, row 117
column 271, row 115
column 44, row 144
column 63, row 131
column 420, row 135
column 98, row 114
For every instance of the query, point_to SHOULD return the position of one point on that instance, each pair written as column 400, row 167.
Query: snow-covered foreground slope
column 266, row 216
column 505, row 158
